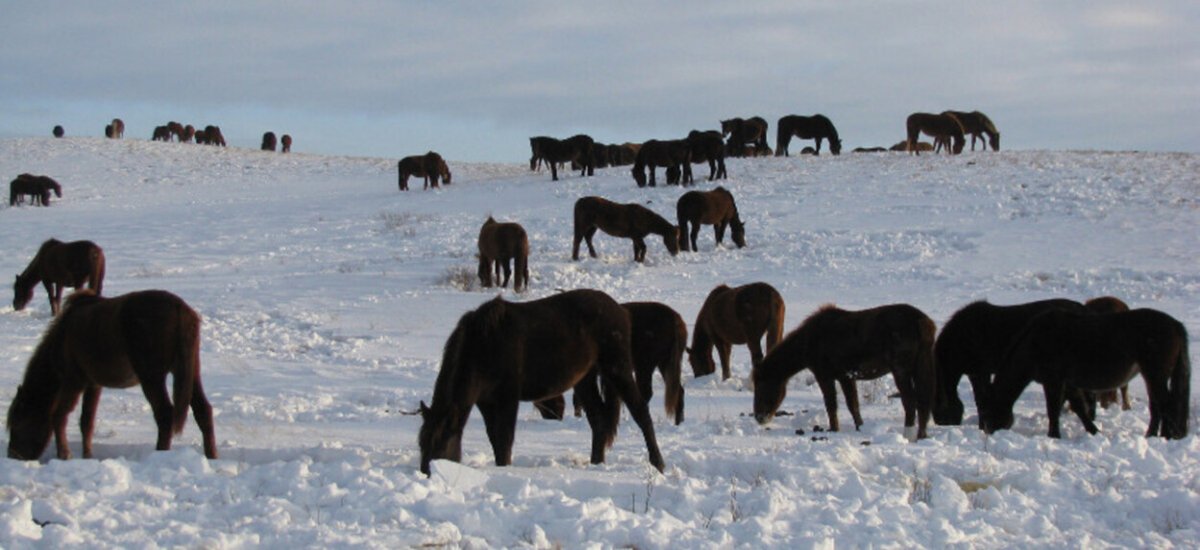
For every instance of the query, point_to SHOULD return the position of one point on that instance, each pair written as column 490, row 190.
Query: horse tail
column 187, row 368
column 914, row 128
column 925, row 379
column 775, row 321
column 672, row 373
column 1181, row 389
column 783, row 137
column 96, row 278
column 521, row 264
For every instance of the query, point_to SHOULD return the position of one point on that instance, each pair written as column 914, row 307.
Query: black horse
column 816, row 127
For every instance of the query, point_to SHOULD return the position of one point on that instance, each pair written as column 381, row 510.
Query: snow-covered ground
column 327, row 295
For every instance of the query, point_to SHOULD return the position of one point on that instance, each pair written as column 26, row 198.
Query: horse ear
column 424, row 410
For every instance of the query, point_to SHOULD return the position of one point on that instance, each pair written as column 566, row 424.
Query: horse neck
column 659, row 225
column 787, row 358
column 33, row 272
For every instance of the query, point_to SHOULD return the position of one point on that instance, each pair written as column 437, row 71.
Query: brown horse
column 978, row 125
column 577, row 149
column 161, row 133
column 816, row 127
column 972, row 343
column 58, row 265
column 268, row 141
column 213, row 136
column 429, row 166
column 844, row 346
column 189, row 133
column 1098, row 352
column 940, row 127
column 536, row 158
column 286, row 143
column 176, row 130
column 118, row 128
column 137, row 338
column 659, row 337
column 716, row 208
column 499, row 243
column 38, row 188
column 708, row 147
column 631, row 221
column 504, row 352
column 665, row 153
column 744, row 133
column 58, row 131
column 624, row 154
column 1110, row 304
column 729, row 316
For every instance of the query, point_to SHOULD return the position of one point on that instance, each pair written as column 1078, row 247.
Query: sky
column 474, row 80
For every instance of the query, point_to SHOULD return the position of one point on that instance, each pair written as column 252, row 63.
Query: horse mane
column 83, row 296
column 987, row 122
column 35, row 263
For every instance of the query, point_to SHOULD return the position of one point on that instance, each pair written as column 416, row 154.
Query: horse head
column 22, row 293
column 29, row 422
column 768, row 395
column 639, row 175
column 671, row 240
column 738, row 230
column 438, row 437
column 835, row 146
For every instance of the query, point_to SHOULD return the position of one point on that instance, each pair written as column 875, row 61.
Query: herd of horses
column 187, row 133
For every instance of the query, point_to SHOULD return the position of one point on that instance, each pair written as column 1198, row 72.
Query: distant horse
column 137, row 338
column 815, row 127
column 659, row 337
column 972, row 343
column 268, row 141
column 161, row 133
column 904, row 146
column 978, row 124
column 870, row 150
column 504, row 352
column 189, row 133
column 708, row 147
column 108, row 131
column 669, row 153
column 631, row 221
column 429, row 166
column 536, row 158
column 176, row 130
column 58, row 265
column 742, row 133
column 716, row 208
column 201, row 139
column 599, row 155
column 577, row 148
column 213, row 136
column 624, row 154
column 38, row 188
column 940, row 127
column 286, row 143
column 844, row 346
column 59, row 132
column 498, row 244
column 740, row 315
column 1098, row 352
column 1110, row 304
column 118, row 128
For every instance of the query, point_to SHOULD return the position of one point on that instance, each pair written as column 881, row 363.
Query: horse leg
column 500, row 419
column 721, row 174
column 719, row 231
column 1125, row 397
column 829, row 392
column 507, row 272
column 155, row 390
column 695, row 232
column 723, row 350
column 653, row 183
column 639, row 249
column 202, row 412
column 587, row 235
column 63, row 405
column 588, row 394
column 1085, row 411
column 1159, row 396
column 50, row 295
column 1055, row 395
column 756, row 351
column 621, row 380
column 850, row 391
column 553, row 171
column 981, row 388
column 87, row 418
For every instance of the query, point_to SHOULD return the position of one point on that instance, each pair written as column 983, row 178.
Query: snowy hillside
column 327, row 295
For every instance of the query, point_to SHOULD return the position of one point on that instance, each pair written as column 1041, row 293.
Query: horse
column 108, row 131
column 844, row 346
column 1110, row 304
column 623, row 154
column 201, row 139
column 743, row 132
column 505, row 352
column 1098, row 352
column 659, row 338
column 940, row 127
column 708, row 147
column 740, row 315
column 716, row 208
column 903, row 146
column 815, row 127
column 499, row 243
column 161, row 133
column 58, row 265
column 213, row 136
column 665, row 153
column 285, row 143
column 870, row 150
column 118, row 128
column 37, row 187
column 189, row 132
column 176, row 130
column 577, row 148
column 429, row 166
column 268, row 141
column 535, row 149
column 58, row 131
column 978, row 124
column 136, row 338
column 632, row 221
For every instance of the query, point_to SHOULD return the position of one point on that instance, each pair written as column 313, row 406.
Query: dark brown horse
column 161, row 133
column 631, row 221
column 716, row 208
column 536, row 158
column 744, row 133
column 189, row 133
column 118, row 129
column 741, row 315
column 940, row 127
column 285, row 143
column 1097, row 352
column 176, row 130
column 38, row 188
column 844, row 346
column 58, row 131
column 816, row 127
column 972, row 343
column 58, row 265
column 498, row 244
column 503, row 353
column 659, row 337
column 137, row 338
column 1110, row 304
column 429, row 166
column 577, row 149
column 624, row 154
column 708, row 147
column 978, row 125
column 213, row 136
column 268, row 141
column 664, row 153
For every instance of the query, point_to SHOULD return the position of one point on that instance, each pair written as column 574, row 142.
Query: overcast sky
column 473, row 80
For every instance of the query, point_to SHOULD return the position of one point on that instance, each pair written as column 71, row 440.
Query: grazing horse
column 536, row 159
column 631, row 221
column 161, row 133
column 743, row 133
column 941, row 127
column 740, row 315
column 844, row 346
column 504, row 352
column 659, row 337
column 118, row 129
column 213, row 136
column 708, row 147
column 58, row 265
column 136, row 338
column 429, row 166
column 816, row 127
column 176, row 130
column 577, row 149
column 978, row 124
column 972, row 343
column 286, row 143
column 1097, row 352
column 499, row 243
column 1110, row 304
column 38, row 188
column 59, row 132
column 668, row 154
column 624, row 154
column 268, row 141
column 716, row 208
column 189, row 133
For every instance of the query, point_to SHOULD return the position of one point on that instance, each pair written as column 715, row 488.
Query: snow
column 327, row 295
